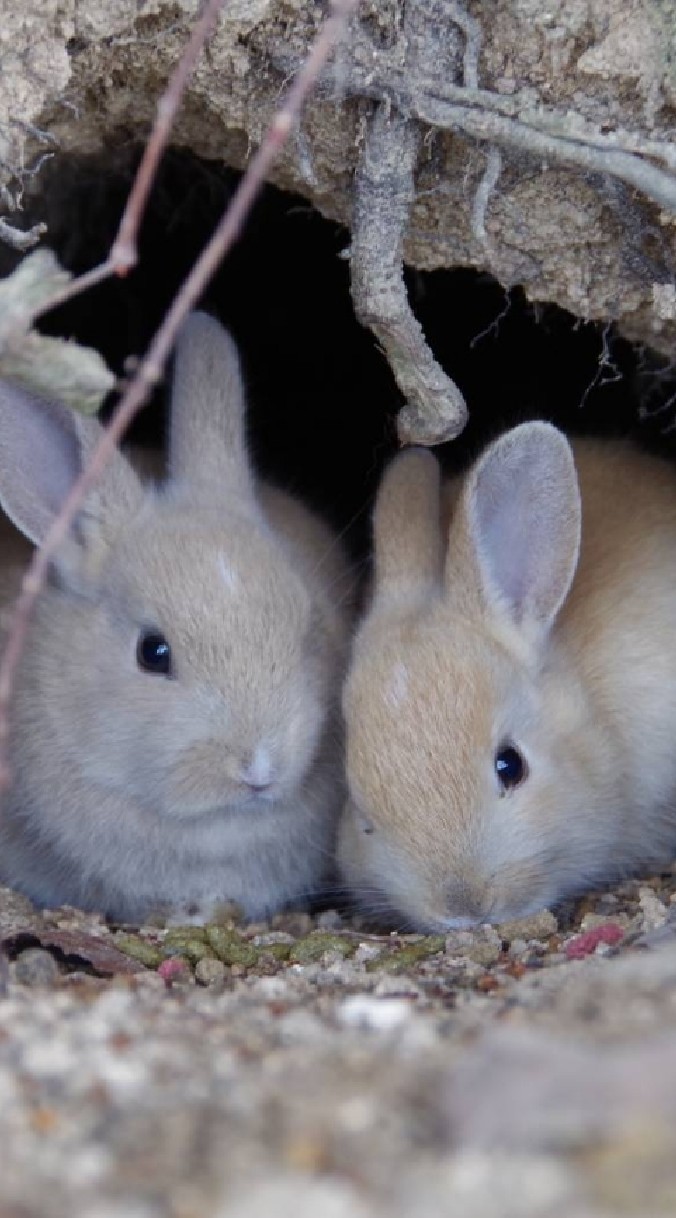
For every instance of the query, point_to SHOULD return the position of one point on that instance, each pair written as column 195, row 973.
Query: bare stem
column 124, row 253
column 151, row 367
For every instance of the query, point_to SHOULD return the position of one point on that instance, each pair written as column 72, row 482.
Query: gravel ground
column 309, row 1068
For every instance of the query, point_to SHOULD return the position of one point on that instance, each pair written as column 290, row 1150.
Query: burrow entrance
column 322, row 399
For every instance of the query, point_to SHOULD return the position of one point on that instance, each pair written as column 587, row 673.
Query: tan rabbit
column 511, row 706
column 176, row 731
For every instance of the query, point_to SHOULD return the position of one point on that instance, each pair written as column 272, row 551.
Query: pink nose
column 256, row 772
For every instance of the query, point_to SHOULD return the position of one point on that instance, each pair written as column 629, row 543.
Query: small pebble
column 367, row 951
column 654, row 912
column 272, row 937
column 374, row 1014
column 35, row 966
column 482, row 949
column 537, row 926
column 210, row 971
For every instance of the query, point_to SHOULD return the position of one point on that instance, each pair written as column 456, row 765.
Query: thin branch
column 124, row 253
column 151, row 367
column 73, row 288
column 124, row 250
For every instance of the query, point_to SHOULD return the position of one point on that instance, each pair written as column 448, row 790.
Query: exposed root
column 560, row 138
column 435, row 409
column 483, row 194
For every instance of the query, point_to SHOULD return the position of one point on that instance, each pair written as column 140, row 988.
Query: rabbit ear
column 39, row 459
column 119, row 490
column 522, row 513
column 42, row 448
column 207, row 444
column 407, row 532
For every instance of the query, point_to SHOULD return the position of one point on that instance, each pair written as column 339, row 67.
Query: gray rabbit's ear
column 119, row 490
column 407, row 531
column 39, row 459
column 523, row 515
column 42, row 449
column 207, row 443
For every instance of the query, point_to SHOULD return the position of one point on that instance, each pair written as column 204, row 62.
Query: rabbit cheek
column 379, row 880
column 202, row 781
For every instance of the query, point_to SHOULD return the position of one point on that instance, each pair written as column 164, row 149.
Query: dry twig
column 151, row 367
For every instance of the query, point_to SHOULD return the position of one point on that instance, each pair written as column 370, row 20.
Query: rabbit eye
column 153, row 653
column 510, row 767
column 363, row 822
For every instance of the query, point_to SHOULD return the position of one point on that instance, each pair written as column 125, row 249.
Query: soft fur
column 514, row 632
column 135, row 791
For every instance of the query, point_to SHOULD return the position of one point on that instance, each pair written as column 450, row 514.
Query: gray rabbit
column 175, row 735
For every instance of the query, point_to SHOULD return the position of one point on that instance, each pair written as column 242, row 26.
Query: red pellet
column 586, row 943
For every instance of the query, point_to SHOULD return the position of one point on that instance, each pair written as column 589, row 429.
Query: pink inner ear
column 511, row 530
column 526, row 521
column 39, row 459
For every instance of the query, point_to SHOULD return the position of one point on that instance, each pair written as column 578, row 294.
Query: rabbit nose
column 256, row 772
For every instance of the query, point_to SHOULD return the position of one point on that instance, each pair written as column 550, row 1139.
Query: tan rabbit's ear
column 406, row 528
column 521, row 507
column 207, row 444
column 43, row 447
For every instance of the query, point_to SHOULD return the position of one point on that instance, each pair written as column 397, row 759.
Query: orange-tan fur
column 581, row 676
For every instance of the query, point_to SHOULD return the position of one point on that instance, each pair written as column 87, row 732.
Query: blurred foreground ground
column 310, row 1069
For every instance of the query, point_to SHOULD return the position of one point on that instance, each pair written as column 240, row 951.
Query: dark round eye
column 363, row 822
column 153, row 653
column 510, row 767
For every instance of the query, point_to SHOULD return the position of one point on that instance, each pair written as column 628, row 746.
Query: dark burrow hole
column 322, row 399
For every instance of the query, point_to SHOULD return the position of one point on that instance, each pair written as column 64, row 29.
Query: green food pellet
column 177, row 943
column 139, row 949
column 313, row 947
column 400, row 959
column 230, row 947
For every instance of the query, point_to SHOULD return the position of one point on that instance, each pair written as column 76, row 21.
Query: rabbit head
column 183, row 659
column 468, row 792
